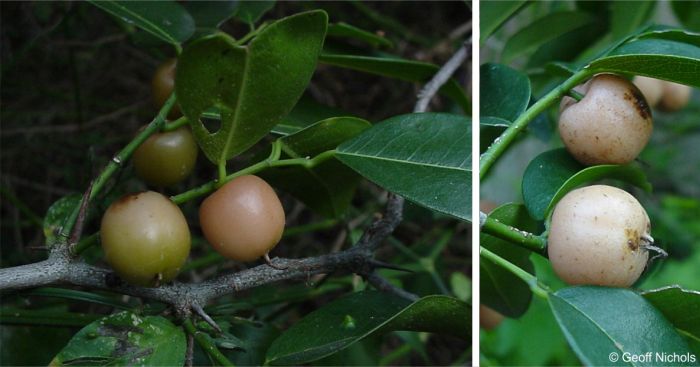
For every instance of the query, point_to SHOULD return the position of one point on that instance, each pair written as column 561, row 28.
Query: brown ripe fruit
column 651, row 88
column 489, row 318
column 675, row 96
column 597, row 237
column 610, row 125
column 145, row 238
column 163, row 84
column 244, row 219
column 167, row 158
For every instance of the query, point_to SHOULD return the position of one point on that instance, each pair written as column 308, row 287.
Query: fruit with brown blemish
column 598, row 236
column 611, row 124
column 244, row 219
column 651, row 88
column 145, row 238
column 166, row 158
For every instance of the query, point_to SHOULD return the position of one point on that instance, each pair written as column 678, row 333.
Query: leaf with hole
column 252, row 87
column 424, row 157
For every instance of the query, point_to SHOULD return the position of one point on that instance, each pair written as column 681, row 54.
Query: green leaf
column 349, row 319
column 681, row 307
column 657, row 58
column 253, row 87
column 344, row 30
column 254, row 338
column 505, row 92
column 166, row 20
column 424, row 157
column 554, row 173
column 494, row 13
column 328, row 187
column 541, row 31
column 688, row 13
column 126, row 339
column 250, row 11
column 394, row 67
column 501, row 289
column 78, row 296
column 56, row 216
column 210, row 14
column 15, row 316
column 627, row 16
column 598, row 322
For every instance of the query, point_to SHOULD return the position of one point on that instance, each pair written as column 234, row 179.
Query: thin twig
column 384, row 286
column 200, row 311
column 82, row 216
column 445, row 73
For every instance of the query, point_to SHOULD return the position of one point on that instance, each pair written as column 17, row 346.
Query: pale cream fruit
column 244, row 219
column 145, row 238
column 610, row 125
column 597, row 236
column 675, row 96
column 651, row 88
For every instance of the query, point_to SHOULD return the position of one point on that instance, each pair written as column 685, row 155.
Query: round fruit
column 675, row 96
column 489, row 318
column 167, row 158
column 610, row 125
column 651, row 88
column 597, row 235
column 244, row 219
column 145, row 238
column 163, row 84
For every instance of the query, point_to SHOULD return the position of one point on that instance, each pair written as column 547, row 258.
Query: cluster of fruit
column 599, row 234
column 145, row 236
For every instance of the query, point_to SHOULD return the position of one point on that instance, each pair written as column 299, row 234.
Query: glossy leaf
column 344, row 30
column 56, row 216
column 501, row 289
column 253, row 87
column 680, row 306
column 210, row 14
column 327, row 188
column 541, row 31
column 250, row 11
column 657, row 58
column 347, row 320
column 598, row 322
column 394, row 67
column 424, row 157
column 505, row 92
column 167, row 20
column 495, row 13
column 687, row 13
column 126, row 339
column 554, row 173
column 627, row 16
column 78, row 296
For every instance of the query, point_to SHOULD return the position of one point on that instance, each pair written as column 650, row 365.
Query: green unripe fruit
column 145, row 238
column 167, row 158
